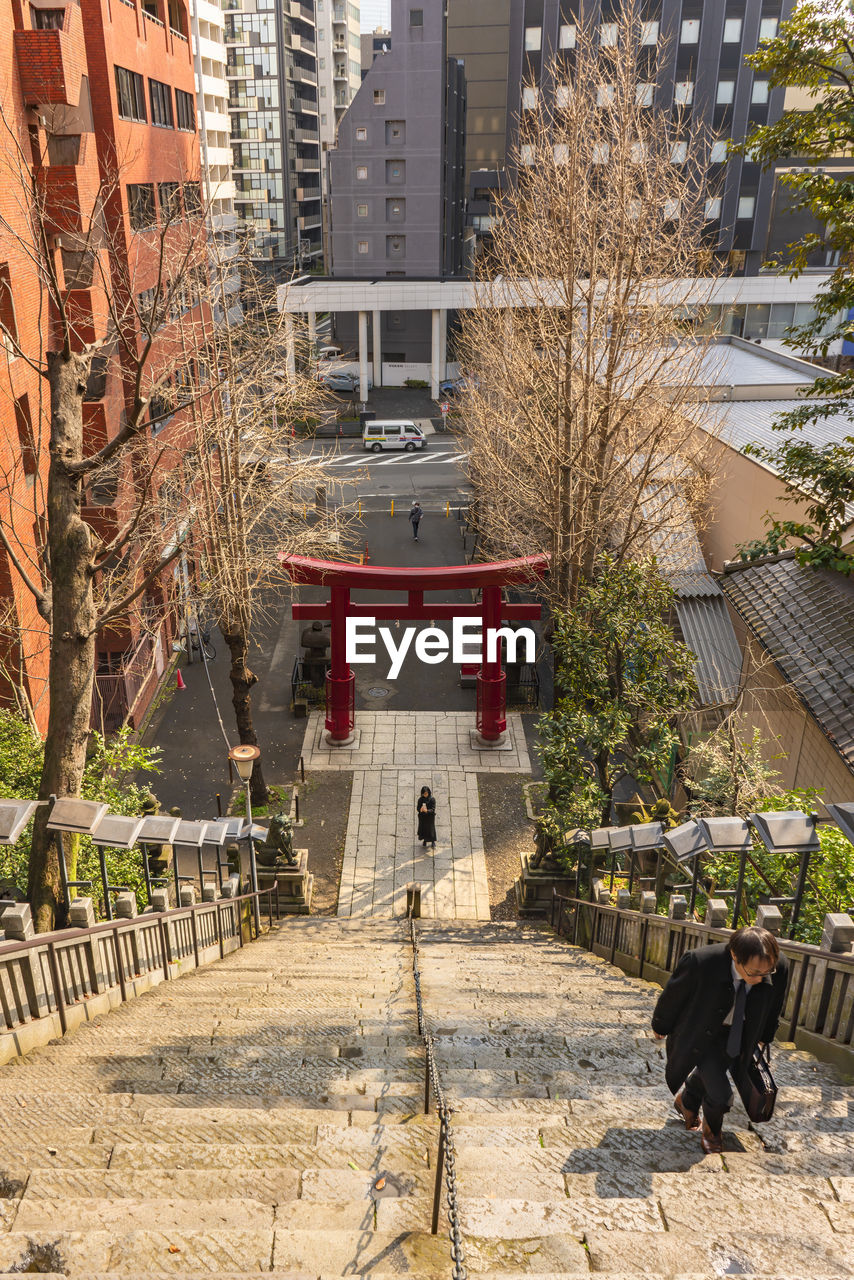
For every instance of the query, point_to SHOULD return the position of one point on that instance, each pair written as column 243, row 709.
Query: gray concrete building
column 273, row 105
column 372, row 43
column 396, row 176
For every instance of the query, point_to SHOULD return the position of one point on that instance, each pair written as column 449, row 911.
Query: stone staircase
column 263, row 1116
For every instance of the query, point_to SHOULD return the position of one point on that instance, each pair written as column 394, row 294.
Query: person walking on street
column 425, row 807
column 415, row 518
column 720, row 1003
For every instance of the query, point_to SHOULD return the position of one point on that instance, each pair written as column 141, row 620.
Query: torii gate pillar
column 341, row 578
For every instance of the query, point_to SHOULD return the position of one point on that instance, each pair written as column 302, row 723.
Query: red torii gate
column 343, row 578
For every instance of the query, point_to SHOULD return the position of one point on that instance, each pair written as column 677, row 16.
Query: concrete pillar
column 678, row 906
column 624, row 900
column 434, row 353
column 647, row 903
column 837, row 933
column 363, row 355
column 716, row 913
column 376, row 325
column 290, row 352
column 312, row 327
column 443, row 343
column 768, row 917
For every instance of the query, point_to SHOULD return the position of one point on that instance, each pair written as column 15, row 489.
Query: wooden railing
column 818, row 1013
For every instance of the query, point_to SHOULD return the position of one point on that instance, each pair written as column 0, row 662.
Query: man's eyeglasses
column 762, row 973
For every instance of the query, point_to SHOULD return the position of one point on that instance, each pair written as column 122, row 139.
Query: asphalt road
column 434, row 471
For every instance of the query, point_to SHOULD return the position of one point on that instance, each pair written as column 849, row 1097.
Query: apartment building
column 275, row 122
column 339, row 75
column 96, row 93
column 207, row 22
column 373, row 43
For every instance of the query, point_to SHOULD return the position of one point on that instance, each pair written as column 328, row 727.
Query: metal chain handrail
column 446, row 1161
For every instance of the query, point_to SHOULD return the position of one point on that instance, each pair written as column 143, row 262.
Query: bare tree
column 108, row 500
column 578, row 358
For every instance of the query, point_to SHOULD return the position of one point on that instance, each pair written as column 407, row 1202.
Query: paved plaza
column 395, row 755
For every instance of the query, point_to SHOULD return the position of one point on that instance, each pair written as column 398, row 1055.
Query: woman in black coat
column 720, row 1002
column 425, row 807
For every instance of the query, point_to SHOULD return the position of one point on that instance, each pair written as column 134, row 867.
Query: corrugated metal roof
column 742, row 422
column 728, row 365
column 708, row 632
column 694, row 584
column 805, row 619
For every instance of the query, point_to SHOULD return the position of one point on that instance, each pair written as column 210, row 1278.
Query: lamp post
column 244, row 758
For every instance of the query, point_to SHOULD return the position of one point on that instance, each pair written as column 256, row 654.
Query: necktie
column 733, row 1043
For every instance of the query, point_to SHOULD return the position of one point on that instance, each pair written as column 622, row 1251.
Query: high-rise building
column 207, row 23
column 275, row 122
column 373, row 43
column 696, row 51
column 339, row 75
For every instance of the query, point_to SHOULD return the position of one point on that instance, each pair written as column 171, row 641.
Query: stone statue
column 277, row 851
column 158, row 855
column 315, row 652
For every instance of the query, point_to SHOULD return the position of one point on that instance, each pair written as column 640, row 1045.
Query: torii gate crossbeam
column 343, row 578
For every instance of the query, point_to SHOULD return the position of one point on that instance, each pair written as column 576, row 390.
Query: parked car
column 456, row 386
column 336, row 380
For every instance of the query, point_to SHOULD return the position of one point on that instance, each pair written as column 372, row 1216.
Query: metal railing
column 818, row 1011
column 446, row 1170
column 54, row 972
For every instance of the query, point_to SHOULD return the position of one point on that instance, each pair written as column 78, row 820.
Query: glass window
column 567, row 35
column 679, row 153
column 192, row 199
column 746, row 206
column 140, row 205
column 379, row 97
column 563, row 93
column 170, row 200
column 130, row 94
column 644, row 94
column 684, row 93
column 527, row 153
column 671, row 210
column 361, row 211
column 561, row 153
column 713, row 209
column 185, row 109
column 759, row 92
column 636, row 152
column 718, row 151
column 601, row 153
column 649, row 33
column 732, row 30
column 361, row 173
column 416, row 17
column 529, row 97
column 605, row 94
column 767, row 28
column 361, row 134
column 533, row 38
column 361, row 246
column 690, row 31
column 608, row 34
column 726, row 92
column 161, row 104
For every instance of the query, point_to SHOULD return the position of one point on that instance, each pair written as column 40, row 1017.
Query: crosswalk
column 405, row 459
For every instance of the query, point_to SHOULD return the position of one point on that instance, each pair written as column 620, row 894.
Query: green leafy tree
column 110, row 776
column 814, row 51
column 623, row 681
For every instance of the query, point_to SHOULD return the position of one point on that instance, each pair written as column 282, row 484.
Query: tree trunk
column 242, row 680
column 72, row 637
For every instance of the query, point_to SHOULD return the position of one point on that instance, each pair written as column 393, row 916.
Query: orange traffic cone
column 181, row 684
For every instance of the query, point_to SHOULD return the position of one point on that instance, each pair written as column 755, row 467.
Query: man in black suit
column 720, row 1002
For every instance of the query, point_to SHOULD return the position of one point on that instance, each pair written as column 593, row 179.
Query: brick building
column 100, row 107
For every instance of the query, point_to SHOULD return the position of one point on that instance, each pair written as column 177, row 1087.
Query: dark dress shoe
column 691, row 1118
column 712, row 1143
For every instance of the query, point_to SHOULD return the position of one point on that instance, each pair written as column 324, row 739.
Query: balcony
column 340, row 72
column 308, row 193
column 307, row 164
column 309, row 222
column 306, row 106
column 51, row 64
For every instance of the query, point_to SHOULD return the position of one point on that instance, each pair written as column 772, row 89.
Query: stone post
column 716, row 911
column 678, row 906
column 768, row 917
column 647, row 903
column 837, row 934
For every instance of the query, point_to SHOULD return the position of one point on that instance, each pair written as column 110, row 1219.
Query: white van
column 392, row 435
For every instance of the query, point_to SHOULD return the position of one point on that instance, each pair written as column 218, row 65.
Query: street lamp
column 244, row 758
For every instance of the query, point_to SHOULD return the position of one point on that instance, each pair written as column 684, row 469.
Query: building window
column 649, row 33
column 605, row 95
column 567, row 35
column 8, row 321
column 361, row 246
column 608, row 34
column 672, row 210
column 759, row 92
column 130, row 93
column 601, row 153
column 684, row 93
column 170, row 201
column 192, row 199
column 527, row 153
column 637, row 152
column 78, row 268
column 161, row 104
column 746, row 206
column 679, row 153
column 361, row 211
column 395, row 171
column 361, row 134
column 140, row 205
column 26, row 439
column 718, row 152
column 416, row 17
column 644, row 94
column 47, row 19
column 379, row 97
column 563, row 95
column 361, row 173
column 395, row 210
column 529, row 97
column 185, row 109
column 726, row 92
column 690, row 31
column 395, row 132
column 767, row 28
column 395, row 246
column 732, row 30
column 533, row 39
column 712, row 211
column 561, row 155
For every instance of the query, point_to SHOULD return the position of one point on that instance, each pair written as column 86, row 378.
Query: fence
column 54, row 981
column 818, row 1013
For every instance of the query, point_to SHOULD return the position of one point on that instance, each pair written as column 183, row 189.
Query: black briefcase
column 756, row 1087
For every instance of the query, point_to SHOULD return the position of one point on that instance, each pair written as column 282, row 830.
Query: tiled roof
column 805, row 619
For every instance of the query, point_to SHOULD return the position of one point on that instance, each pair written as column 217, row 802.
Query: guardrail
column 818, row 1013
column 53, row 982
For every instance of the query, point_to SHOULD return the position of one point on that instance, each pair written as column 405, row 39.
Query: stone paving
column 396, row 754
column 264, row 1116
